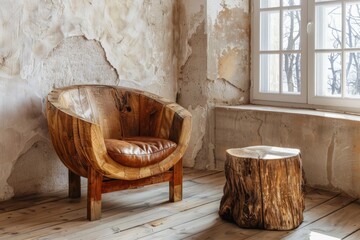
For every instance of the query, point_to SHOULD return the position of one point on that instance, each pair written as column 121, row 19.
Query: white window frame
column 307, row 98
column 322, row 100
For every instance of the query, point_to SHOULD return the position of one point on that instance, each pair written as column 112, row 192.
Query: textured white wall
column 47, row 44
column 214, row 67
column 328, row 142
column 171, row 48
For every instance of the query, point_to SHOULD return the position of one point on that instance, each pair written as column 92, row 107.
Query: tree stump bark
column 264, row 188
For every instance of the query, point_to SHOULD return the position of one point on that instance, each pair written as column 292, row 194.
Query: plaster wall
column 195, row 52
column 214, row 67
column 328, row 142
column 47, row 44
column 192, row 72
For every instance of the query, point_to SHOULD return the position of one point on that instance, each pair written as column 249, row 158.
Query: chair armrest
column 175, row 117
column 64, row 133
column 180, row 129
column 79, row 142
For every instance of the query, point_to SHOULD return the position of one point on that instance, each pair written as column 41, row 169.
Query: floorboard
column 353, row 236
column 146, row 213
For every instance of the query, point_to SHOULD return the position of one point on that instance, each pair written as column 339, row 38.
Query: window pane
column 328, row 74
column 352, row 25
column 269, row 3
column 291, row 73
column 328, row 26
column 291, row 30
column 269, row 30
column 353, row 74
column 291, row 2
column 269, row 73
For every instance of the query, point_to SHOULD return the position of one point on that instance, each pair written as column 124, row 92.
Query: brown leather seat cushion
column 139, row 151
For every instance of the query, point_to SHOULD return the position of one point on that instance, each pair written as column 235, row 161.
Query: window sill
column 319, row 113
column 329, row 142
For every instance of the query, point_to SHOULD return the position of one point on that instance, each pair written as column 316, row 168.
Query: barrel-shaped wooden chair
column 118, row 138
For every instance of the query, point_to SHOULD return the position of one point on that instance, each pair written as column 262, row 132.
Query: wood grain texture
column 74, row 185
column 144, row 213
column 151, row 113
column 116, row 185
column 354, row 236
column 264, row 188
column 337, row 225
column 81, row 117
column 175, row 184
column 242, row 195
column 283, row 198
column 94, row 195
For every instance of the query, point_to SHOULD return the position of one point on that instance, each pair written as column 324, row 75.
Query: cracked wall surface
column 214, row 67
column 194, row 51
column 47, row 44
column 331, row 157
column 229, row 49
column 192, row 73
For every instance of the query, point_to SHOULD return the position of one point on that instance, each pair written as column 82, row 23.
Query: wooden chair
column 118, row 138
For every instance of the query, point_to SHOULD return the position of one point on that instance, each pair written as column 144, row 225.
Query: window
column 307, row 51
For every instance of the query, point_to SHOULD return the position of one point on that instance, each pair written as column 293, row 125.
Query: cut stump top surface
column 263, row 152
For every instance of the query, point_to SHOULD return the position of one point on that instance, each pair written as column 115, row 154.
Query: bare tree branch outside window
column 352, row 36
column 291, row 36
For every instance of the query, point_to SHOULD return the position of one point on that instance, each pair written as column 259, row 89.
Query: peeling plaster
column 228, row 30
column 46, row 44
column 214, row 67
column 193, row 85
column 196, row 140
column 22, row 124
column 191, row 14
column 229, row 42
column 64, row 66
column 192, row 75
column 40, row 178
column 170, row 48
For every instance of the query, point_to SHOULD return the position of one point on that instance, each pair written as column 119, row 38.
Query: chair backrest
column 120, row 112
column 81, row 117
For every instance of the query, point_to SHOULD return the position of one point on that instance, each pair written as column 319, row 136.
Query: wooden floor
column 145, row 213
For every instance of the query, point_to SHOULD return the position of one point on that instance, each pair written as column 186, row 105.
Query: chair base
column 97, row 185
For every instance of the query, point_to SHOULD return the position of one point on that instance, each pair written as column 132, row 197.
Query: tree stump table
column 264, row 188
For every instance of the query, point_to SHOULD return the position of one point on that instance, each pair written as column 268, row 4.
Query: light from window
column 337, row 66
column 307, row 51
column 280, row 38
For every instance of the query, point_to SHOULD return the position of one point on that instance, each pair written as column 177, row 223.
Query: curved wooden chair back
column 80, row 118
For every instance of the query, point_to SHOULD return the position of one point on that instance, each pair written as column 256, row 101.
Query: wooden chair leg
column 74, row 185
column 175, row 185
column 94, row 195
